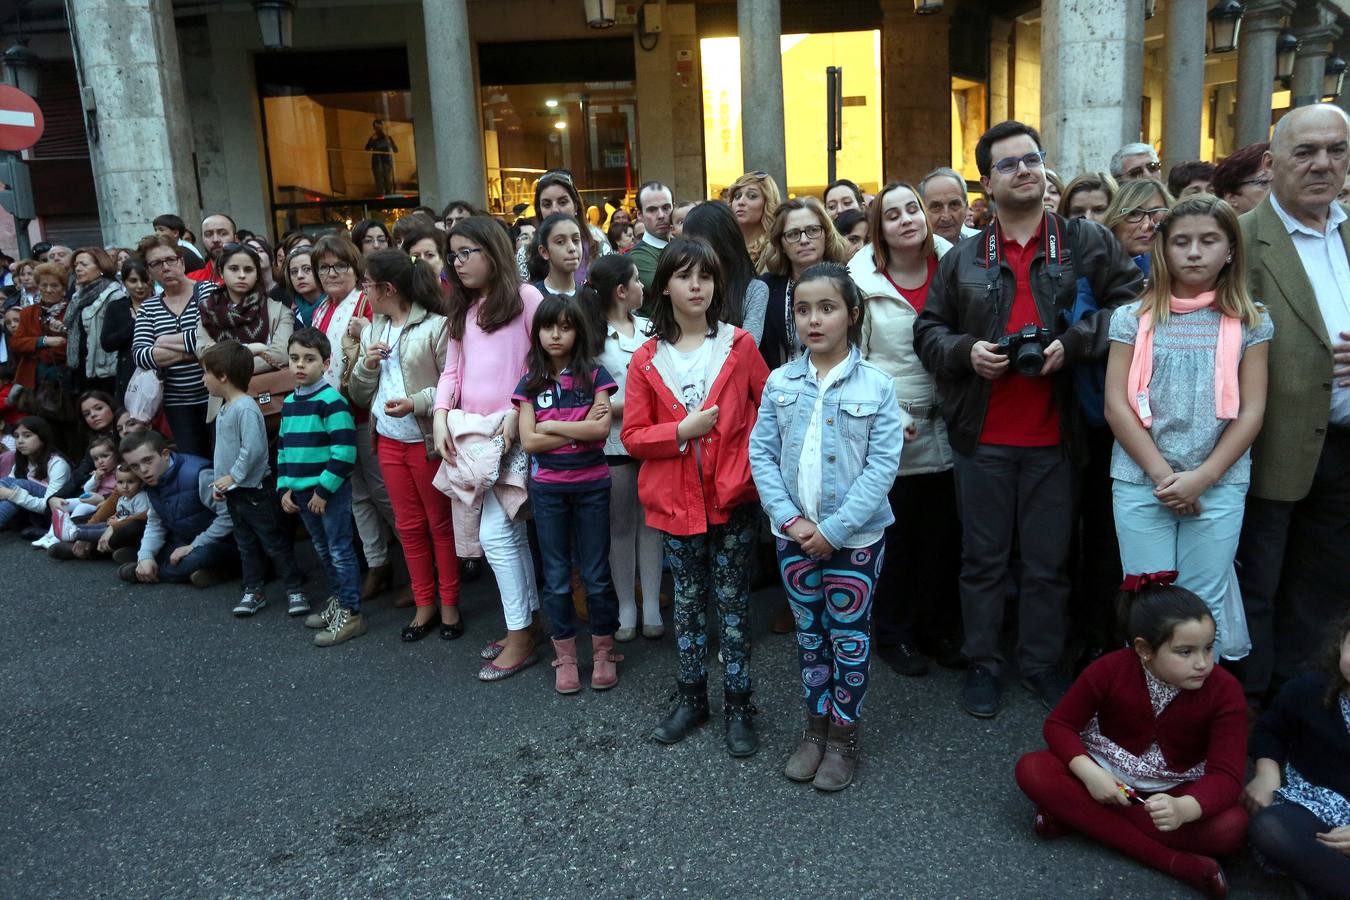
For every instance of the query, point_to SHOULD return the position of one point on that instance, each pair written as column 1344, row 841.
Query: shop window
column 805, row 59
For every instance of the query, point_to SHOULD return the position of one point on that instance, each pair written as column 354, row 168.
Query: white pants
column 633, row 547
column 506, row 545
column 371, row 509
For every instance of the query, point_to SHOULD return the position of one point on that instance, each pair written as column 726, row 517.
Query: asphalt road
column 155, row 746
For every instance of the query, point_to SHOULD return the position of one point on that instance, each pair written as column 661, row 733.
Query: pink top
column 482, row 370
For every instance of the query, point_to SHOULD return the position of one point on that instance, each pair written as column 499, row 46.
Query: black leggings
column 1286, row 835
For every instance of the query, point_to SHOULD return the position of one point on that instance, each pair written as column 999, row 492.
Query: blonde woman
column 1133, row 217
column 754, row 199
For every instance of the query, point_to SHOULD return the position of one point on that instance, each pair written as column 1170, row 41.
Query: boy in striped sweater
column 315, row 455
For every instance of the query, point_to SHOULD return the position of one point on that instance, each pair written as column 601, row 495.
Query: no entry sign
column 20, row 119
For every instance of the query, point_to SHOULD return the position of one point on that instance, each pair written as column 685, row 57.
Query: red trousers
column 1058, row 792
column 422, row 516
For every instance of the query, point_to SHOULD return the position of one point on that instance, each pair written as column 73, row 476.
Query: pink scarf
column 1226, row 356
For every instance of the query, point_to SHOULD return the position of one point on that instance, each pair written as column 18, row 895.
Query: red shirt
column 205, row 273
column 1021, row 409
column 915, row 297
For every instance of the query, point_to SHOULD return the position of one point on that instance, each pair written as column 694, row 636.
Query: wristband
column 790, row 522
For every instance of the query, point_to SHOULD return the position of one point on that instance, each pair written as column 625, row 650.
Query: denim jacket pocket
column 855, row 418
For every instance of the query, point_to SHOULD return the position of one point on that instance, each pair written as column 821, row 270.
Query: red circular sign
column 20, row 119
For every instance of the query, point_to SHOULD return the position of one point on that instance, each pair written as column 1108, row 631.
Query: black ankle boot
column 741, row 737
column 691, row 711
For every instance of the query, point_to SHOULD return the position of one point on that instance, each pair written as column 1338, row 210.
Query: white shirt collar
column 649, row 238
column 1335, row 217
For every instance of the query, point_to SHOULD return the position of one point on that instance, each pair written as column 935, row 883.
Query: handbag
column 270, row 390
column 145, row 395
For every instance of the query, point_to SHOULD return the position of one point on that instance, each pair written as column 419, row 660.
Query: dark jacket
column 1301, row 730
column 177, row 501
column 967, row 303
column 118, row 327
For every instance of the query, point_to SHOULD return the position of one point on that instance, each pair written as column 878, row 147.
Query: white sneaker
column 47, row 541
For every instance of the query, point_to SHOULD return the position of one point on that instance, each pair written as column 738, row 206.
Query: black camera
column 1026, row 348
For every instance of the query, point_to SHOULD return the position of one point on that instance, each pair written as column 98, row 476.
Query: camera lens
column 1029, row 359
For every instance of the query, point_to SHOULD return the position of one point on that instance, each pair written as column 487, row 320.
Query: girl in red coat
column 692, row 396
column 1148, row 748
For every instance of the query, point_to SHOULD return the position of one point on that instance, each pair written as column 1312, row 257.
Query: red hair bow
column 1136, row 583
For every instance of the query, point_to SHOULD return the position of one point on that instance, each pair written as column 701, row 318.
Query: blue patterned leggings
column 832, row 602
column 718, row 559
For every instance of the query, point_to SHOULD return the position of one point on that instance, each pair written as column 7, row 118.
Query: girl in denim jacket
column 824, row 453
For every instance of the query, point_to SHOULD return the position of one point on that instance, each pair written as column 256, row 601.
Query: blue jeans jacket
column 861, row 439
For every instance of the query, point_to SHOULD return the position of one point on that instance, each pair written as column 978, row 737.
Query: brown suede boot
column 604, row 672
column 841, row 754
column 802, row 765
column 566, row 679
column 377, row 581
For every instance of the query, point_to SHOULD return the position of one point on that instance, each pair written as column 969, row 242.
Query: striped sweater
column 183, row 380
column 317, row 445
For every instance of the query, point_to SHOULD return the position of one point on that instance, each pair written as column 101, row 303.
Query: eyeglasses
column 155, row 265
column 334, row 269
column 1156, row 213
column 1260, row 182
column 463, row 256
column 1008, row 164
column 811, row 232
column 1153, row 168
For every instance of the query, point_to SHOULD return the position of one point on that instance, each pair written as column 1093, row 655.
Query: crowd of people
column 1116, row 405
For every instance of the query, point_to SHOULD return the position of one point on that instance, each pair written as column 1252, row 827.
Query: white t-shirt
column 691, row 370
column 403, row 429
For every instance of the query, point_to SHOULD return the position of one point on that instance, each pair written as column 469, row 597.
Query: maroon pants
column 1058, row 792
column 422, row 516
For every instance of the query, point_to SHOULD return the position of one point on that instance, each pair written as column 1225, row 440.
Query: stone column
column 1184, row 94
column 1092, row 80
column 916, row 91
column 1315, row 25
column 1256, row 67
column 763, row 142
column 140, row 139
column 1000, row 38
column 457, row 122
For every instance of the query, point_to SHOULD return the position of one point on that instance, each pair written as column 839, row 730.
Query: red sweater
column 1208, row 724
column 678, row 497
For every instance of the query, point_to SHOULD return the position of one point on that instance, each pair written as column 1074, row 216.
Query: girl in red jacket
column 1148, row 748
column 692, row 397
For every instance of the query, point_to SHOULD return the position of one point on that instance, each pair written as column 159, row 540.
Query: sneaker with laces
column 250, row 603
column 296, row 604
column 344, row 626
column 321, row 619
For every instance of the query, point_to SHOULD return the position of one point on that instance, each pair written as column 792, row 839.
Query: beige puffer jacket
column 888, row 342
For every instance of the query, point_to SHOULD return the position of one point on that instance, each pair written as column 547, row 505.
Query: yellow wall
column 805, row 58
column 1026, row 99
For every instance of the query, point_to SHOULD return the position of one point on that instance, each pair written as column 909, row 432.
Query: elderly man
column 1134, row 162
column 1292, row 557
column 943, row 192
column 655, row 204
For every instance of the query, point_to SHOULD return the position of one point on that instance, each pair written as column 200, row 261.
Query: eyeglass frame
column 820, row 231
column 332, row 268
column 160, row 264
column 1136, row 214
column 1153, row 167
column 464, row 254
column 1026, row 159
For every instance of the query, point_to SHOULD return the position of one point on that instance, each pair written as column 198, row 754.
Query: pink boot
column 566, row 679
column 604, row 674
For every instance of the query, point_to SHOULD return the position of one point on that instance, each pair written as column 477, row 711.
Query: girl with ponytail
column 400, row 361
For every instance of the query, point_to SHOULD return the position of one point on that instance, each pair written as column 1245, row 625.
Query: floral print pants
column 718, row 559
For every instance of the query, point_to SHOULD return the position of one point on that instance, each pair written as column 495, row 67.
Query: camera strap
column 1054, row 247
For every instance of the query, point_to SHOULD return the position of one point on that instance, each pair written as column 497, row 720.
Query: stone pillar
column 140, row 139
column 916, row 91
column 457, row 122
column 1000, row 43
column 1184, row 94
column 763, row 142
column 1315, row 25
column 1092, row 80
column 1256, row 67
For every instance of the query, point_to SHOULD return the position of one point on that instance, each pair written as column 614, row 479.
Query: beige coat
column 280, row 326
column 888, row 343
column 421, row 355
column 1298, row 399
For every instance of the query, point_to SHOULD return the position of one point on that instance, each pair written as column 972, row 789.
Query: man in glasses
column 218, row 229
column 1015, row 429
column 1135, row 162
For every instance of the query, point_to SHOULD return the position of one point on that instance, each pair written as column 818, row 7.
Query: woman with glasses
column 554, row 192
column 801, row 236
column 754, row 199
column 165, row 341
column 1134, row 215
column 1242, row 179
column 1088, row 196
column 342, row 315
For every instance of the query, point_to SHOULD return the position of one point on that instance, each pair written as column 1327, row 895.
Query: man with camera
column 995, row 332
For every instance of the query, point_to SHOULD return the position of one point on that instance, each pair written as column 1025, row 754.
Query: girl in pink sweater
column 490, row 316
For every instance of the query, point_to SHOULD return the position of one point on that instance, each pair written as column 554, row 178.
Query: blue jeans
column 9, row 512
column 581, row 518
column 215, row 555
column 331, row 534
column 1200, row 547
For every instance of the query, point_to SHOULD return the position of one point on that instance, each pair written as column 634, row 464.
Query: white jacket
column 888, row 342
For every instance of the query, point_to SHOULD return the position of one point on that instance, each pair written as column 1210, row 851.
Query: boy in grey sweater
column 241, row 454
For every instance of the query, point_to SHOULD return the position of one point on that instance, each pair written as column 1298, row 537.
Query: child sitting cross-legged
column 118, row 523
column 70, row 513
